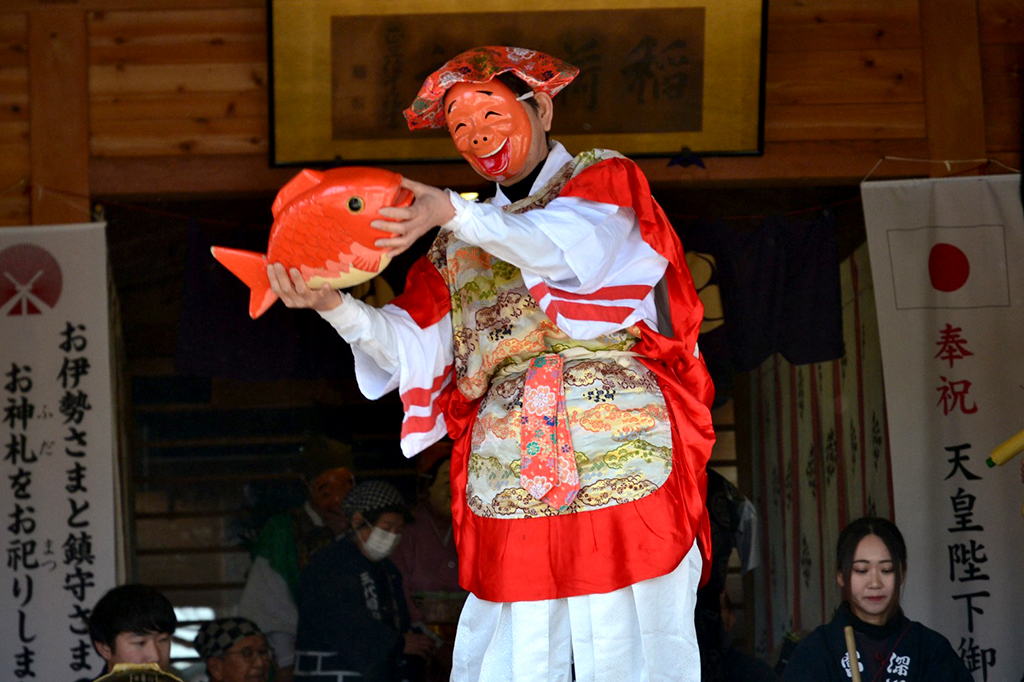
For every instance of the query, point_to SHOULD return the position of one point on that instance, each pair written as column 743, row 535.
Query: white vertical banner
column 58, row 447
column 947, row 257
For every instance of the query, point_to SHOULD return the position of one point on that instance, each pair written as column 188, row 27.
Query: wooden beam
column 107, row 5
column 59, row 115
column 951, row 64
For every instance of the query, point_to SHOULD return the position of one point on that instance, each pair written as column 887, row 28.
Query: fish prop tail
column 251, row 268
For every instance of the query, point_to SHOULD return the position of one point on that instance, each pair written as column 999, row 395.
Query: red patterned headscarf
column 541, row 72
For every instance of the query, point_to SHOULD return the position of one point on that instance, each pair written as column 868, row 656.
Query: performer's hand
column 417, row 644
column 293, row 292
column 431, row 208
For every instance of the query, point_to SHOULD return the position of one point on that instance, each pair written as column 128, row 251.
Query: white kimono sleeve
column 392, row 351
column 585, row 262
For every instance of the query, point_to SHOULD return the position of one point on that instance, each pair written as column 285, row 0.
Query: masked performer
column 552, row 333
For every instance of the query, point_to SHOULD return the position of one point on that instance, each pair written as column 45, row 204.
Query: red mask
column 491, row 129
column 330, row 488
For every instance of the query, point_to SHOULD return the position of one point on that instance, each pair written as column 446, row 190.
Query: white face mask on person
column 380, row 543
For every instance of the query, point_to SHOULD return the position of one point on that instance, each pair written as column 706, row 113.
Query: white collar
column 556, row 159
column 313, row 515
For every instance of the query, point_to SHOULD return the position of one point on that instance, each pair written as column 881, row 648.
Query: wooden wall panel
column 130, row 80
column 14, row 137
column 1001, row 21
column 14, row 210
column 13, row 40
column 844, row 121
column 844, row 77
column 58, row 116
column 1001, row 27
column 1002, row 70
column 13, row 107
column 178, row 37
column 950, row 48
column 1003, row 125
column 844, row 71
column 178, row 106
column 109, row 5
column 162, row 136
column 167, row 83
column 820, row 25
column 15, row 166
column 187, row 81
column 14, row 93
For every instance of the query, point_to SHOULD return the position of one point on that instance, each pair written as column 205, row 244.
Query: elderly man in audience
column 234, row 650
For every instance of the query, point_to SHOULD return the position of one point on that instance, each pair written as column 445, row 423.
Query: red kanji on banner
column 951, row 345
column 953, row 394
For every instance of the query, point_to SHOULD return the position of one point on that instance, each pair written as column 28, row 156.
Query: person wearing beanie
column 353, row 619
column 234, row 650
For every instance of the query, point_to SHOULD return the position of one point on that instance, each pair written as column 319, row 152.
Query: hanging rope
column 948, row 163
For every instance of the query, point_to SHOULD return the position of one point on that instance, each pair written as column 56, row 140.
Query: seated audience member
column 133, row 624
column 736, row 665
column 733, row 525
column 234, row 650
column 285, row 544
column 871, row 562
column 426, row 556
column 428, row 562
column 353, row 618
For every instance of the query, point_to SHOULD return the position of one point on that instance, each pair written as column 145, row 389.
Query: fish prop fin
column 306, row 180
column 363, row 258
column 251, row 268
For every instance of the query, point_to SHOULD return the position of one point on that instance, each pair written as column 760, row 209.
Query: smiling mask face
column 493, row 131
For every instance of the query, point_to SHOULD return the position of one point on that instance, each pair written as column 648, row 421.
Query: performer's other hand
column 431, row 208
column 293, row 292
column 417, row 644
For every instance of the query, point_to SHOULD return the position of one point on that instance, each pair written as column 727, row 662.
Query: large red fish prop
column 322, row 227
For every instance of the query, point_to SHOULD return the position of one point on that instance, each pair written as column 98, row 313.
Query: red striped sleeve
column 633, row 292
column 592, row 312
column 421, row 424
column 421, row 397
column 425, row 397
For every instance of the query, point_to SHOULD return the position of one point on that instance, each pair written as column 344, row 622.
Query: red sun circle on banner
column 948, row 267
column 30, row 280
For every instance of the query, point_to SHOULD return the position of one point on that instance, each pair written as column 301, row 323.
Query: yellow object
column 851, row 649
column 1007, row 450
column 138, row 672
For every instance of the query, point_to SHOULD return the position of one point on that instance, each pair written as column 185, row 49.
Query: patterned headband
column 540, row 71
column 218, row 636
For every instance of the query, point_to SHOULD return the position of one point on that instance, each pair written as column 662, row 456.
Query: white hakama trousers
column 640, row 633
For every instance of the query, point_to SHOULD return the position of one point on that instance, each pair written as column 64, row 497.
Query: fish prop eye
column 355, row 204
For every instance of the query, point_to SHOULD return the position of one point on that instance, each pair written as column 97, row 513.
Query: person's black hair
column 135, row 608
column 888, row 533
column 518, row 86
column 372, row 516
